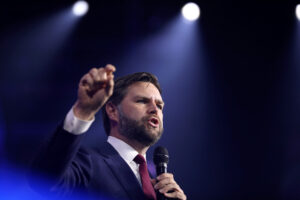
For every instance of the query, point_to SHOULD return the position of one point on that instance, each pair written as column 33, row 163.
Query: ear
column 112, row 111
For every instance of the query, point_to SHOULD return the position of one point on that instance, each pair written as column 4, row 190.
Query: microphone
column 161, row 159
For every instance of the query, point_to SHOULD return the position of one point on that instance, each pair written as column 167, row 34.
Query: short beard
column 136, row 130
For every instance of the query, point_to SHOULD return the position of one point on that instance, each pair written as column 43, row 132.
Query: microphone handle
column 160, row 169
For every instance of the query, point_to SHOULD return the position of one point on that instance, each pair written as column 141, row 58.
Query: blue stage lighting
column 80, row 8
column 191, row 11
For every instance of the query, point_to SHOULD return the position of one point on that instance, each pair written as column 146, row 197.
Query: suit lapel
column 122, row 172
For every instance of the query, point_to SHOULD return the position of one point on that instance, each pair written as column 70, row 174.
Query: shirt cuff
column 75, row 125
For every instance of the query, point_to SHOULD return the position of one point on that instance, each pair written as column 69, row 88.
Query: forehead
column 145, row 89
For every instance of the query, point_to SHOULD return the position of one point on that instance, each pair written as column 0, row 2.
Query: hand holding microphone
column 165, row 184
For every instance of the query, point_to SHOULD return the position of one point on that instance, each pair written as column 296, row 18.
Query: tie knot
column 139, row 159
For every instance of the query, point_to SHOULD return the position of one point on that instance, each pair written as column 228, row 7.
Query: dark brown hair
column 120, row 90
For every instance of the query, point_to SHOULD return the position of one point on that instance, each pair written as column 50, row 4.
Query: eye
column 141, row 101
column 159, row 106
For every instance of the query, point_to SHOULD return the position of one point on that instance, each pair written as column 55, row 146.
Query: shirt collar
column 125, row 150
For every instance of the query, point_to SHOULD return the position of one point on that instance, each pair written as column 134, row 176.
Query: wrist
column 82, row 112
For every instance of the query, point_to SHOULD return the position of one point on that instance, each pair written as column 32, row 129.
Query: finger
column 94, row 74
column 110, row 76
column 87, row 81
column 169, row 188
column 99, row 77
column 110, row 86
column 164, row 182
column 165, row 175
column 176, row 194
column 110, row 69
column 102, row 74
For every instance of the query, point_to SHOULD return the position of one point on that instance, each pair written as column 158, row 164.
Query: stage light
column 191, row 11
column 298, row 11
column 80, row 8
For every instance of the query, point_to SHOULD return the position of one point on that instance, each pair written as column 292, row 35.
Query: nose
column 152, row 107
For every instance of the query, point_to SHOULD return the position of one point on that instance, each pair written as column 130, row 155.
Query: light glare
column 298, row 11
column 191, row 11
column 80, row 8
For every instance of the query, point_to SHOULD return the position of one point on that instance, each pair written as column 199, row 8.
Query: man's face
column 140, row 113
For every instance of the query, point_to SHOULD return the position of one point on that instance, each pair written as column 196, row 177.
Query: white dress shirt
column 77, row 126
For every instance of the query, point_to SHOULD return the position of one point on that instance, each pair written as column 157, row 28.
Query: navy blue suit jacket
column 99, row 173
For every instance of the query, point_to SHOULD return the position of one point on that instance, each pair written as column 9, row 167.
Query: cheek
column 135, row 112
column 161, row 117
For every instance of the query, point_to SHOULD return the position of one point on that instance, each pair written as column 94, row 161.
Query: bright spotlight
column 298, row 11
column 80, row 8
column 191, row 11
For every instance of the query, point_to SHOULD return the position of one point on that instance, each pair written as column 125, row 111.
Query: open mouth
column 153, row 122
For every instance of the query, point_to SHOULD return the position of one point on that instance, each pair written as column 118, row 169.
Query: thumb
column 110, row 86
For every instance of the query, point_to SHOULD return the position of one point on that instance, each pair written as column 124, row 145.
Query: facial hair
column 137, row 130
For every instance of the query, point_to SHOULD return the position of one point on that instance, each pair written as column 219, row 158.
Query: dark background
column 230, row 83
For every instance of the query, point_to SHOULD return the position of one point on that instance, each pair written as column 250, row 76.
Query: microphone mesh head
column 161, row 155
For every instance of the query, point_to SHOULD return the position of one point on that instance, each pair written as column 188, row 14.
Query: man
column 133, row 120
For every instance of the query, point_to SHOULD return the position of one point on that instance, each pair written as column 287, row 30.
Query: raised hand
column 94, row 89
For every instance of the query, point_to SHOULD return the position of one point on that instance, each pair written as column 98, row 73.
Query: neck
column 141, row 149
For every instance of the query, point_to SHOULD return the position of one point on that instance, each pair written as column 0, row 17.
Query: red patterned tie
column 146, row 183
